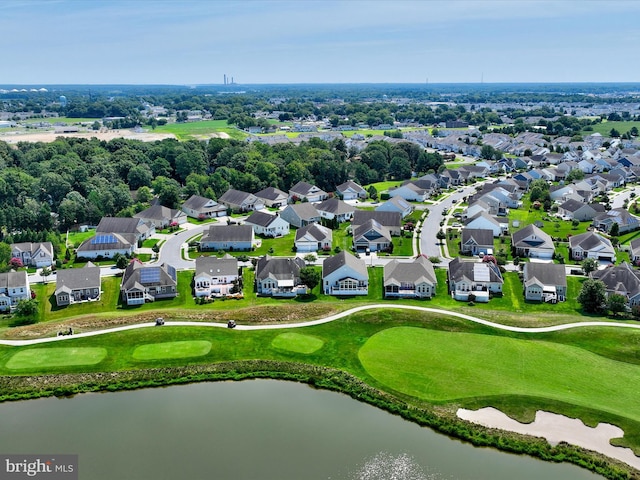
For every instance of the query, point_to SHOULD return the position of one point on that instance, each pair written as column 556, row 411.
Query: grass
column 298, row 343
column 197, row 221
column 159, row 351
column 605, row 127
column 383, row 186
column 76, row 238
column 198, row 130
column 56, row 357
column 402, row 246
column 443, row 367
column 150, row 242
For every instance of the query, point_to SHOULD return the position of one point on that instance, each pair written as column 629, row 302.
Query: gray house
column 215, row 276
column 622, row 279
column 545, row 282
column 479, row 279
column 273, row 197
column 279, row 276
column 475, row 241
column 33, row 254
column 301, row 214
column 162, row 217
column 77, row 284
column 143, row 283
column 197, row 207
column 232, row 238
column 239, row 201
column 391, row 220
column 14, row 286
column 414, row 279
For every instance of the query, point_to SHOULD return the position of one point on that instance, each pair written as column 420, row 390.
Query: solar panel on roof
column 103, row 239
column 171, row 271
column 150, row 275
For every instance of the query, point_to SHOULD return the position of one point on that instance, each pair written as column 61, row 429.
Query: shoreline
column 555, row 429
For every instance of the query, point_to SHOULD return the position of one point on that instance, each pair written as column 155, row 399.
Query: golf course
column 422, row 365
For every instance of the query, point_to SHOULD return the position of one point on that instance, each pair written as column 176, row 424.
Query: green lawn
column 443, row 366
column 384, row 186
column 402, row 246
column 160, row 351
column 605, row 127
column 76, row 238
column 150, row 242
column 193, row 130
column 56, row 357
column 298, row 343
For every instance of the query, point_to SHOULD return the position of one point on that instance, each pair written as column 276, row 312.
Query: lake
column 258, row 429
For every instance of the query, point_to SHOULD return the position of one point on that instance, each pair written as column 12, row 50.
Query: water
column 260, row 430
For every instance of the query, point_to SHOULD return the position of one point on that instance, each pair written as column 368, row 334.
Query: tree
column 121, row 261
column 589, row 265
column 44, row 273
column 592, row 296
column 575, row 174
column 613, row 133
column 15, row 262
column 441, row 235
column 27, row 309
column 310, row 258
column 310, row 276
column 615, row 230
column 373, row 193
column 616, row 303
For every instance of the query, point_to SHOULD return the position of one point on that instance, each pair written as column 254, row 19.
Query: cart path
column 331, row 318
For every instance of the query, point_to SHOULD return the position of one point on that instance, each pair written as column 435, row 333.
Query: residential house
column 591, row 245
column 396, row 204
column 626, row 222
column 267, row 224
column 475, row 241
column 279, row 276
column 230, row 238
column 410, row 192
column 273, row 197
column 312, row 238
column 200, row 207
column 532, row 242
column 37, row 255
column 344, row 274
column 485, row 221
column 390, row 220
column 301, row 214
column 335, row 209
column 350, row 190
column 215, row 276
column 14, row 286
column 634, row 252
column 304, row 190
column 373, row 236
column 161, row 217
column 77, row 284
column 147, row 283
column 133, row 229
column 621, row 279
column 575, row 210
column 545, row 282
column 479, row 279
column 414, row 279
column 107, row 246
column 240, row 202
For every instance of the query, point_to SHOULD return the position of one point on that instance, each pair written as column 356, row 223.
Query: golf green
column 56, row 357
column 160, row 351
column 298, row 343
column 444, row 366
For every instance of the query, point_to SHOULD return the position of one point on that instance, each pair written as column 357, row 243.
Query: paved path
column 337, row 316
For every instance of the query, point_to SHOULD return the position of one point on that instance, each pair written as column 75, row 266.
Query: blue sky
column 352, row 41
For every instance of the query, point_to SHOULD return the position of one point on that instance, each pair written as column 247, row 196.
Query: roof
column 343, row 258
column 228, row 233
column 236, row 197
column 621, row 279
column 196, row 202
column 315, row 231
column 419, row 270
column 14, row 279
column 335, row 206
column 70, row 279
column 531, row 237
column 137, row 274
column 118, row 225
column 369, row 225
column 107, row 241
column 589, row 240
column 572, row 205
column 304, row 211
column 271, row 193
column 387, row 219
column 33, row 247
column 398, row 202
column 350, row 184
column 484, row 215
column 159, row 212
column 481, row 236
column 480, row 272
column 303, row 188
column 261, row 219
column 214, row 266
column 279, row 268
column 545, row 274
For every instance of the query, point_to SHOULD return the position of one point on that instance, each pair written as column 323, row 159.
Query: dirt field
column 15, row 137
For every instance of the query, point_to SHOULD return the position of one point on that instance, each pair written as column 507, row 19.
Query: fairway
column 56, row 357
column 298, row 343
column 443, row 366
column 160, row 351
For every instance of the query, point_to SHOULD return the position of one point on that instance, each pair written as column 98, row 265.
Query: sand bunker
column 555, row 429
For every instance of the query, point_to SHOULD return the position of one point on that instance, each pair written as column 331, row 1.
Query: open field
column 50, row 136
column 298, row 343
column 159, row 351
column 56, row 357
column 201, row 130
column 605, row 127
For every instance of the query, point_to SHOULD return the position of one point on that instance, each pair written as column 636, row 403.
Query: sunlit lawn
column 188, row 130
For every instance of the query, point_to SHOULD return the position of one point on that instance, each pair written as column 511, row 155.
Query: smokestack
column 232, row 82
column 225, row 78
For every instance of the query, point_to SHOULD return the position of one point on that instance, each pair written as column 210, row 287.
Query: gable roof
column 387, row 219
column 304, row 211
column 214, row 266
column 137, row 274
column 236, row 197
column 335, row 206
column 543, row 240
column 271, row 193
column 261, row 219
column 304, row 188
column 349, row 184
column 14, row 279
column 397, row 201
column 589, row 240
column 419, row 270
column 343, row 258
column 279, row 268
column 229, row 233
column 314, row 231
column 196, row 202
column 481, row 236
column 544, row 273
column 118, row 225
column 369, row 225
column 159, row 212
column 69, row 279
column 480, row 272
column 621, row 279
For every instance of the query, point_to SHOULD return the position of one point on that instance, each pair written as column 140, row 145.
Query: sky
column 188, row 42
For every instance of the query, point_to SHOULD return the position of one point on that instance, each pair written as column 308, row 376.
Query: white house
column 344, row 274
column 197, row 207
column 267, row 224
column 14, row 286
column 312, row 238
column 350, row 190
column 33, row 254
column 215, row 276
